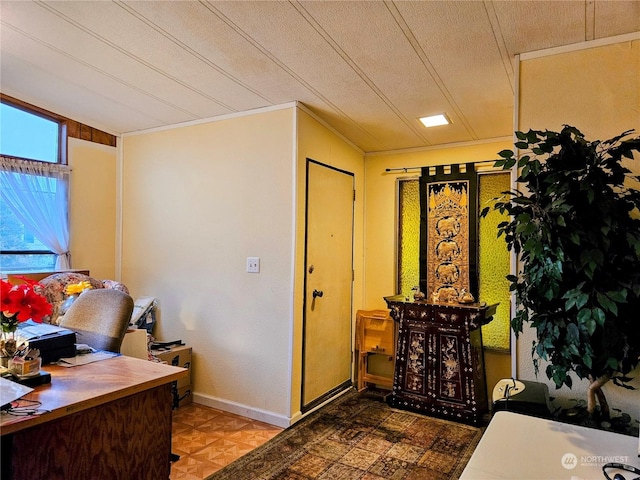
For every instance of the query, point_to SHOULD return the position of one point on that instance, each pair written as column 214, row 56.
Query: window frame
column 63, row 138
column 61, row 155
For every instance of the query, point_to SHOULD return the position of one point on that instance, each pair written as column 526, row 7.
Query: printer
column 53, row 342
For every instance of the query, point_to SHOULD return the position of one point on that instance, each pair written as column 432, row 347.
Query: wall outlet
column 253, row 264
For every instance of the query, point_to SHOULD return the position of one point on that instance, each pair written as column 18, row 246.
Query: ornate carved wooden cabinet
column 439, row 366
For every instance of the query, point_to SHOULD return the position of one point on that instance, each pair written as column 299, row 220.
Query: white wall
column 197, row 201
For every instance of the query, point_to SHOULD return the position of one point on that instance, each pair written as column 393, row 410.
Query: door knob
column 317, row 293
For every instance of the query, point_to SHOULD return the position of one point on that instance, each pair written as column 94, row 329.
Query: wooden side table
column 375, row 334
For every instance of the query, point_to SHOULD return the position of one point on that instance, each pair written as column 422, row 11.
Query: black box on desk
column 53, row 342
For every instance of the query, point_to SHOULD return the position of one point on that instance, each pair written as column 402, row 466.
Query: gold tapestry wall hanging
column 449, row 233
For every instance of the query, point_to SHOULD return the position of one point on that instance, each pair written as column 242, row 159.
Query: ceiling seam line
column 133, row 57
column 352, row 64
column 188, row 49
column 102, row 72
column 589, row 20
column 413, row 41
column 501, row 44
column 287, row 70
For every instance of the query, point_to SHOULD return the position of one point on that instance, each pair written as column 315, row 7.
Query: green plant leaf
column 598, row 315
column 584, row 318
column 619, row 296
column 532, row 136
column 574, row 350
column 573, row 334
column 582, row 300
column 570, row 303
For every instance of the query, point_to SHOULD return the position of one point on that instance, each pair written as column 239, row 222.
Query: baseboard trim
column 239, row 409
column 257, row 414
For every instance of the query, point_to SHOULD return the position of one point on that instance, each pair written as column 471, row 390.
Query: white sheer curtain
column 38, row 195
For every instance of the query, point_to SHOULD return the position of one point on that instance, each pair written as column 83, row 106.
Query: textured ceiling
column 368, row 68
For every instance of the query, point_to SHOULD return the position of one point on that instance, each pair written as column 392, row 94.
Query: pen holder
column 23, row 367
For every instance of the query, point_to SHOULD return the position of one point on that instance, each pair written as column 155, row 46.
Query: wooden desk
column 524, row 447
column 108, row 419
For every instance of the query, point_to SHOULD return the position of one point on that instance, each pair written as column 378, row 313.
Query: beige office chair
column 100, row 318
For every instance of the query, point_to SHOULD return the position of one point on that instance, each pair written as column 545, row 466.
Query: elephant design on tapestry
column 447, row 251
column 447, row 240
column 448, row 227
column 448, row 273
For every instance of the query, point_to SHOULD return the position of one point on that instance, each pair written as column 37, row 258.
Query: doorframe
column 339, row 388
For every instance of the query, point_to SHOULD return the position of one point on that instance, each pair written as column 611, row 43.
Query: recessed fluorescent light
column 435, row 120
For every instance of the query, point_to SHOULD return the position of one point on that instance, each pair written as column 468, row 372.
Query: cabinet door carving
column 439, row 365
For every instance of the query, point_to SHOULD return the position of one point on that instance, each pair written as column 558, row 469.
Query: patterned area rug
column 359, row 437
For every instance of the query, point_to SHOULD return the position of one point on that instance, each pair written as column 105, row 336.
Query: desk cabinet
column 103, row 420
column 439, row 365
column 128, row 438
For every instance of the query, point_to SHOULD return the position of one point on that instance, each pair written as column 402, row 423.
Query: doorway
column 326, row 347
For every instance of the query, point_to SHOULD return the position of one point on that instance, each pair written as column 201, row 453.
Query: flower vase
column 9, row 325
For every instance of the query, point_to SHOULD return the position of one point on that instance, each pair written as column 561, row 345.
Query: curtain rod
column 406, row 169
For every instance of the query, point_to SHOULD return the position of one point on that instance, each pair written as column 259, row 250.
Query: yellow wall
column 381, row 208
column 596, row 90
column 92, row 208
column 319, row 143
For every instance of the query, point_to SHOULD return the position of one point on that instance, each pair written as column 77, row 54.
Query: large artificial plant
column 575, row 229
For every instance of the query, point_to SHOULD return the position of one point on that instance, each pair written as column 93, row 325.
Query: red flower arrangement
column 19, row 303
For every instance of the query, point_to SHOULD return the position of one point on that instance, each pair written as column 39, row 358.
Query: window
column 27, row 135
column 33, row 191
column 493, row 257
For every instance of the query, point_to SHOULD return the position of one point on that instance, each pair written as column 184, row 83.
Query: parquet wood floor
column 207, row 439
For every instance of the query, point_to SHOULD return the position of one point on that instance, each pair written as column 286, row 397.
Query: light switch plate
column 253, row 264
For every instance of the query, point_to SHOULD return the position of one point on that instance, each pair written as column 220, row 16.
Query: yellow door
column 328, row 283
